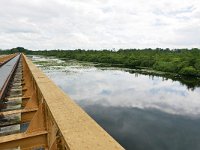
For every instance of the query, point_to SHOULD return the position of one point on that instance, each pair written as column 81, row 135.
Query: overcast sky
column 99, row 24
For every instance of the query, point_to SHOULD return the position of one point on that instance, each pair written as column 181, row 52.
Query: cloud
column 98, row 24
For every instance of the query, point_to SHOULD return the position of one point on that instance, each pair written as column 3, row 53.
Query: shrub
column 190, row 71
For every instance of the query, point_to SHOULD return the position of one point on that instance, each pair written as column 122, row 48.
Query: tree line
column 179, row 61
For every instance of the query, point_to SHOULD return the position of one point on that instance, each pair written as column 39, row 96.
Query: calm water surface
column 141, row 112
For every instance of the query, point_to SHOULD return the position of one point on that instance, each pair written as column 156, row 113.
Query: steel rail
column 6, row 73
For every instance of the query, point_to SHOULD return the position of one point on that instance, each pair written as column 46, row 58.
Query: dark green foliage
column 190, row 71
column 166, row 66
column 180, row 61
column 13, row 50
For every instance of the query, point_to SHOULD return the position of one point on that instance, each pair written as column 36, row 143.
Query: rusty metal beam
column 19, row 111
column 24, row 141
column 55, row 122
column 75, row 128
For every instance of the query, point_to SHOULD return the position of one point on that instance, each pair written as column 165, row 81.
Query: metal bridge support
column 55, row 122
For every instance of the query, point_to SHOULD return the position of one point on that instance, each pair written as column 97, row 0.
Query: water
column 141, row 112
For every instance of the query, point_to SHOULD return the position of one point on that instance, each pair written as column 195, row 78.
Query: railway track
column 14, row 116
column 11, row 96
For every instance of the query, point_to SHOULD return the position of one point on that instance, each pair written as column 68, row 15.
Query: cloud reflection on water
column 139, row 111
column 147, row 129
column 122, row 89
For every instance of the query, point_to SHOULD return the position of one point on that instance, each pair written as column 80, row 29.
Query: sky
column 99, row 24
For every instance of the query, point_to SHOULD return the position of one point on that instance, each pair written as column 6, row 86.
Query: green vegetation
column 180, row 61
column 13, row 50
column 183, row 62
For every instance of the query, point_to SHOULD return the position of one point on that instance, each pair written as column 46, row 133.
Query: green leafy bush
column 189, row 71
